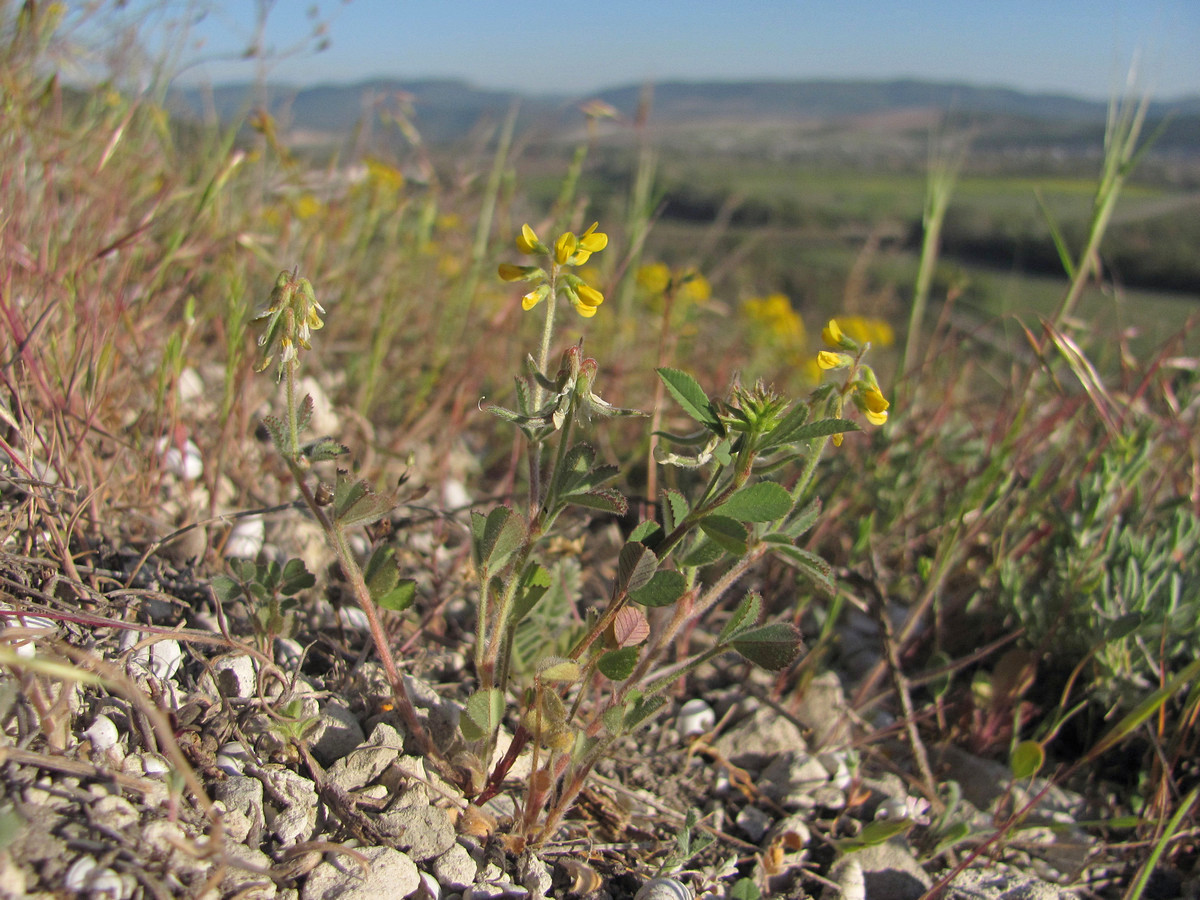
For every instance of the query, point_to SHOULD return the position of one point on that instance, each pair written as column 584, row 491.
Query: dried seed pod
column 584, row 879
column 663, row 889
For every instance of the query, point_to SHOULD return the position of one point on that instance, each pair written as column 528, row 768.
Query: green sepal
column 784, row 430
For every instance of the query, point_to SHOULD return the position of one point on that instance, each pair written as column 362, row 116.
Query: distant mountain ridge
column 446, row 110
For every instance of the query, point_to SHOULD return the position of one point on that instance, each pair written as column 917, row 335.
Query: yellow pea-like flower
column 527, row 241
column 827, row 359
column 564, row 247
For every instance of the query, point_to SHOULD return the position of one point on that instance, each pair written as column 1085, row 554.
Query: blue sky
column 1081, row 47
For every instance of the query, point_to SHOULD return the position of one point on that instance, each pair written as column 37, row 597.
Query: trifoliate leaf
column 819, row 572
column 605, row 500
column 356, row 503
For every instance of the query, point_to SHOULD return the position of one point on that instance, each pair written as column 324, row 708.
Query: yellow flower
column 509, row 272
column 837, row 439
column 832, row 335
column 585, row 299
column 827, row 359
column 873, row 404
column 775, row 313
column 564, row 248
column 534, row 297
column 654, row 277
column 593, row 241
column 695, row 287
column 527, row 241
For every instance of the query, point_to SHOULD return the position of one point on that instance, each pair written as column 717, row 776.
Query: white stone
column 695, row 717
column 103, row 733
column 187, row 463
column 246, row 538
column 390, row 873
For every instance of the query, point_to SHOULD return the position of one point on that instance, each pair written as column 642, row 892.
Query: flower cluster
column 657, row 279
column 861, row 385
column 569, row 251
column 775, row 315
column 291, row 316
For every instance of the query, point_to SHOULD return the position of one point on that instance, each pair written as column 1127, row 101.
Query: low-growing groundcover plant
column 593, row 683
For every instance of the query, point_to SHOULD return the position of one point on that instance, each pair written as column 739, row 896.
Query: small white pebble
column 154, row 765
column 246, row 538
column 231, row 758
column 82, row 875
column 695, row 717
column 103, row 733
column 186, row 463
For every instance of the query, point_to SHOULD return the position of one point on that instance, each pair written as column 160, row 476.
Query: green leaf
column 802, row 521
column 875, row 833
column 647, row 532
column 764, row 501
column 226, row 589
column 1124, row 626
column 773, row 647
column 729, row 534
column 614, row 718
column 482, row 714
column 704, row 552
column 823, row 428
column 496, row 537
column 675, row 508
column 356, row 503
column 617, row 665
column 783, row 432
column 642, row 709
column 663, row 589
column 1027, row 759
column 400, row 597
column 744, row 889
column 535, row 582
column 323, row 449
column 635, row 567
column 818, row 570
column 381, row 574
column 689, row 395
column 559, row 670
column 305, row 413
column 296, row 577
column 605, row 500
column 745, row 616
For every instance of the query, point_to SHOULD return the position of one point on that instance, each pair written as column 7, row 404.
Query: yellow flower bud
column 509, row 272
column 831, row 334
column 827, row 359
column 589, row 296
column 534, row 297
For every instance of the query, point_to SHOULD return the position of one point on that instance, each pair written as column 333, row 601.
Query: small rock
column 160, row 659
column 792, row 778
column 752, row 742
column 243, row 799
column 237, row 677
column 754, row 822
column 535, row 875
column 988, row 884
column 848, row 876
column 114, row 812
column 455, row 869
column 337, row 732
column 297, row 821
column 85, row 877
column 243, row 883
column 232, row 758
column 423, row 831
column 246, row 538
column 389, row 873
column 183, row 461
column 890, row 870
column 500, row 890
column 822, row 709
